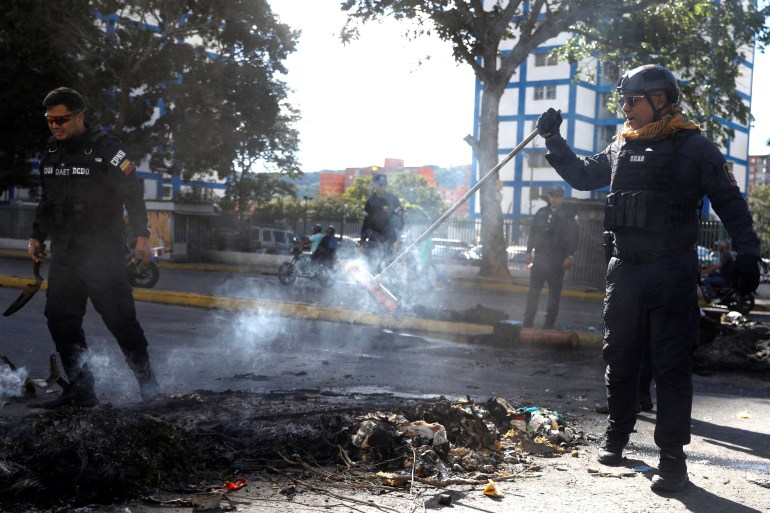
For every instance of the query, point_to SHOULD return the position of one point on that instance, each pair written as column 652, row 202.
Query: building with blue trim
column 589, row 126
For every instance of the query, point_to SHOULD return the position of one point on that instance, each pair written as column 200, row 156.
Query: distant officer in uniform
column 383, row 221
column 554, row 238
column 658, row 169
column 88, row 180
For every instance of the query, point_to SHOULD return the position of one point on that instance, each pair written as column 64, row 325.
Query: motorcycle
column 302, row 267
column 728, row 298
column 143, row 276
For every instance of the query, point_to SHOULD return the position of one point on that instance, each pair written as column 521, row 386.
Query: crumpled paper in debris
column 433, row 432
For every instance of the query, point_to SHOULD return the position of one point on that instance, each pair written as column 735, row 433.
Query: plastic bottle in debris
column 536, row 421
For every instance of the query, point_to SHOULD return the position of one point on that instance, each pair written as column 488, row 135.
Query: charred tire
column 286, row 273
column 143, row 277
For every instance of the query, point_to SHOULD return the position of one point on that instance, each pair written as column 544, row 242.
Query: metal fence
column 456, row 241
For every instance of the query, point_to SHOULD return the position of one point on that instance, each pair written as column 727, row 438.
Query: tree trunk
column 494, row 257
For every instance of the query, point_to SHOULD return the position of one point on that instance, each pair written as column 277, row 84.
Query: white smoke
column 11, row 383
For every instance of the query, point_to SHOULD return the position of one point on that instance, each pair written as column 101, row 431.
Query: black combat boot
column 611, row 449
column 148, row 385
column 79, row 392
column 672, row 473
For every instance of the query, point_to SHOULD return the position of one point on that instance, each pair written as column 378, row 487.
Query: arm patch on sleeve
column 728, row 167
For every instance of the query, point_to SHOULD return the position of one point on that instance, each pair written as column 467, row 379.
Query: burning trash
column 460, row 438
column 102, row 455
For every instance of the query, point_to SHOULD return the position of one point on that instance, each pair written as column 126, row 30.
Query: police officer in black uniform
column 88, row 180
column 383, row 221
column 658, row 169
column 554, row 238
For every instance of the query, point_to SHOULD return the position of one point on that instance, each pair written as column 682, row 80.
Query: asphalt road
column 259, row 351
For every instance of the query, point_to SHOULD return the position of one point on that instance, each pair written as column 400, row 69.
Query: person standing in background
column 553, row 237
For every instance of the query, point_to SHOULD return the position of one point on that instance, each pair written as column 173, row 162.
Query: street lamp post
column 306, row 198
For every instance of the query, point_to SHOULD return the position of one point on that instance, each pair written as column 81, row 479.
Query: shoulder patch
column 728, row 167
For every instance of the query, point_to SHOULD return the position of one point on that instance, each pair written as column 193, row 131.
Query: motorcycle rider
column 311, row 241
column 327, row 248
column 658, row 168
column 87, row 180
column 719, row 273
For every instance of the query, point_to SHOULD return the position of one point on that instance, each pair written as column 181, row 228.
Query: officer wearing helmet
column 553, row 236
column 383, row 221
column 658, row 169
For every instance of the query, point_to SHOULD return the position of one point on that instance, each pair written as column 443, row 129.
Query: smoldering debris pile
column 186, row 443
column 458, row 440
column 734, row 344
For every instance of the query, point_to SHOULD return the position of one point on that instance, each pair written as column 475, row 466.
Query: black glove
column 745, row 275
column 548, row 123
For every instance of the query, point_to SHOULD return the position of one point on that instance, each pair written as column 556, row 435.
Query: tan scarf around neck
column 664, row 127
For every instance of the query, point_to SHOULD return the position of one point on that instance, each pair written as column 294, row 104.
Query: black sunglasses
column 61, row 120
column 631, row 100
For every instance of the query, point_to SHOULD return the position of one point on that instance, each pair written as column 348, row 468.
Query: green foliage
column 32, row 62
column 192, row 84
column 702, row 41
column 495, row 38
column 356, row 195
column 255, row 189
column 759, row 204
column 421, row 202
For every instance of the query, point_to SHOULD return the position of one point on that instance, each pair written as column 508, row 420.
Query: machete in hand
column 30, row 288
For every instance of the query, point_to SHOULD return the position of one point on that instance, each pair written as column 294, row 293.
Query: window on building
column 606, row 133
column 545, row 59
column 545, row 92
column 610, row 73
column 538, row 160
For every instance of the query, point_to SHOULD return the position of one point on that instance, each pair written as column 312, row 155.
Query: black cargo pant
column 96, row 272
column 657, row 303
column 552, row 272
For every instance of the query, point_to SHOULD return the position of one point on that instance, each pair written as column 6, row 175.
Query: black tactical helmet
column 649, row 78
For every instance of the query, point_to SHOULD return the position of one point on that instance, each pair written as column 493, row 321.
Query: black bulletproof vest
column 74, row 185
column 643, row 195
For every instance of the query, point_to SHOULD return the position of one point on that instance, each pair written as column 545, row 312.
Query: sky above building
column 383, row 96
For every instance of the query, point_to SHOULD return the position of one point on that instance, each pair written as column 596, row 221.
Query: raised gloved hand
column 548, row 123
column 745, row 275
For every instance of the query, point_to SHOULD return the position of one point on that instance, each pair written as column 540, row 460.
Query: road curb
column 311, row 312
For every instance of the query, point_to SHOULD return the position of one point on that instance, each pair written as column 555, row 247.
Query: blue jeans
column 710, row 282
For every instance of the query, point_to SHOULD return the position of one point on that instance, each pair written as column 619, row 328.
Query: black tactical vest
column 74, row 178
column 643, row 197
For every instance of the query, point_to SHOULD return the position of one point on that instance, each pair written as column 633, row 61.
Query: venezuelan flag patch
column 127, row 167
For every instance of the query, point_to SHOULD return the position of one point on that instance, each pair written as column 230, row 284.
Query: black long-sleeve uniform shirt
column 699, row 169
